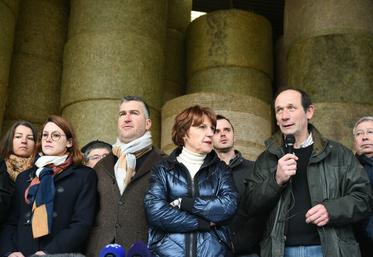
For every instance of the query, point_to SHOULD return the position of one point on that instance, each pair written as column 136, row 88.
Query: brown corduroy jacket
column 121, row 218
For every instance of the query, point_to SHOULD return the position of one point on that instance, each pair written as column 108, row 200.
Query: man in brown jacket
column 123, row 178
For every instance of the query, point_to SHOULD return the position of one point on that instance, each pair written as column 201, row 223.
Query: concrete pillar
column 35, row 79
column 251, row 118
column 330, row 56
column 114, row 48
column 179, row 15
column 8, row 16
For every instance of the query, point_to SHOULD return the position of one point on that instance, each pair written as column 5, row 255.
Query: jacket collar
column 236, row 160
column 365, row 160
column 320, row 144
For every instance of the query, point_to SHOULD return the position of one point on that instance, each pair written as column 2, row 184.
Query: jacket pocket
column 349, row 248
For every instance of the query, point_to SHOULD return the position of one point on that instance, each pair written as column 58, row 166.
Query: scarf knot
column 124, row 168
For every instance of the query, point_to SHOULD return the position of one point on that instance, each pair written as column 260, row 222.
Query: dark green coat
column 335, row 179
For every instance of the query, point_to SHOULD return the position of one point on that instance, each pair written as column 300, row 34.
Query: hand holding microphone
column 287, row 164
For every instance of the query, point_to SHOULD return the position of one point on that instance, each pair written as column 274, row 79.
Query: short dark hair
column 6, row 143
column 305, row 98
column 221, row 117
column 192, row 116
column 137, row 99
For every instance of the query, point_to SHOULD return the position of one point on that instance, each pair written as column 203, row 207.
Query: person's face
column 95, row 155
column 199, row 139
column 54, row 141
column 290, row 115
column 223, row 138
column 364, row 138
column 132, row 122
column 23, row 141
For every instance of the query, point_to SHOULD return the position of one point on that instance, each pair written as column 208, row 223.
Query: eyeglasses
column 96, row 157
column 55, row 136
column 361, row 133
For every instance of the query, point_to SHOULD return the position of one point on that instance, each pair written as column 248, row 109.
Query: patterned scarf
column 16, row 165
column 41, row 191
column 127, row 153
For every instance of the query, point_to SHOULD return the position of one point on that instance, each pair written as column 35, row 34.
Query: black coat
column 246, row 230
column 73, row 215
column 6, row 191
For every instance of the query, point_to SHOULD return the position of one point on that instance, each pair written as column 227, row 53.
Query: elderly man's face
column 95, row 156
column 364, row 138
column 132, row 122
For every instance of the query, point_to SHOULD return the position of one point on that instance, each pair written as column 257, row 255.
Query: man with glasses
column 123, row 179
column 312, row 188
column 363, row 143
column 94, row 151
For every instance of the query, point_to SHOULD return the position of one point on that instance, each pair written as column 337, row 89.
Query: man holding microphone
column 312, row 192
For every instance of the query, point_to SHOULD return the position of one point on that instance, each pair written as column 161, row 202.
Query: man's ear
column 310, row 111
column 148, row 124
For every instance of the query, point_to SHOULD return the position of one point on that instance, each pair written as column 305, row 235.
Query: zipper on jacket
column 190, row 242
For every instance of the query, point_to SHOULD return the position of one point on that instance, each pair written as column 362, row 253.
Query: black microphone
column 289, row 143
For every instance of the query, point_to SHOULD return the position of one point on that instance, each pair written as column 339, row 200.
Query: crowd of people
column 304, row 196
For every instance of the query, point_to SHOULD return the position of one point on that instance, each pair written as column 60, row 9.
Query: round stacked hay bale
column 35, row 77
column 230, row 50
column 330, row 56
column 250, row 116
column 179, row 12
column 114, row 49
column 305, row 19
column 8, row 15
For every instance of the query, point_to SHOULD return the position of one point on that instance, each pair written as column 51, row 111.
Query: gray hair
column 138, row 99
column 363, row 119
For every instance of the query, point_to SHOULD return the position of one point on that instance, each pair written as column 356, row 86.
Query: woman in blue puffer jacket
column 191, row 194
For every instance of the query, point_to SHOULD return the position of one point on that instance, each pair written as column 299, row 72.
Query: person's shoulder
column 84, row 171
column 336, row 146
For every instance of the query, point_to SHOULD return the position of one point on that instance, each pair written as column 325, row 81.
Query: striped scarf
column 41, row 191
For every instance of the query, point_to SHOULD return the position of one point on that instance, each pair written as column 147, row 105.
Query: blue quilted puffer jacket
column 198, row 227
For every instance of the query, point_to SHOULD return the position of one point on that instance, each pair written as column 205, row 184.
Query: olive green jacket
column 335, row 179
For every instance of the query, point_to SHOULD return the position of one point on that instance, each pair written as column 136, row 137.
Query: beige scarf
column 127, row 154
column 15, row 165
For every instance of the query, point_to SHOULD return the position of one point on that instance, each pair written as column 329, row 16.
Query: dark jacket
column 210, row 197
column 335, row 179
column 246, row 231
column 364, row 229
column 73, row 215
column 6, row 192
column 121, row 218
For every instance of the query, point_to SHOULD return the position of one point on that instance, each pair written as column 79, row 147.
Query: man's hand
column 16, row 254
column 317, row 215
column 286, row 167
